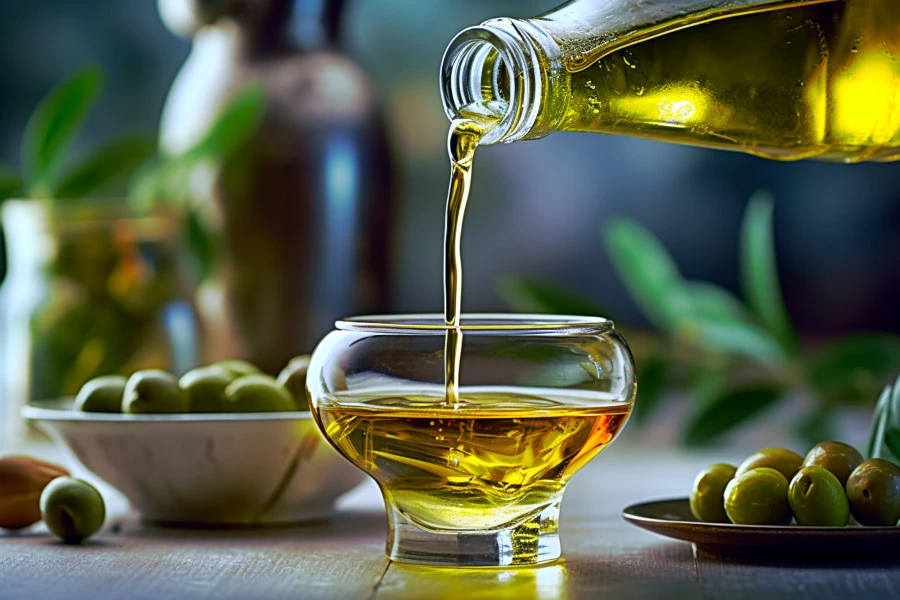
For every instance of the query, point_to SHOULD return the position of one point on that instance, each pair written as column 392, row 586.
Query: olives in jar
column 101, row 394
column 758, row 497
column 708, row 494
column 782, row 460
column 153, row 391
column 817, row 498
column 873, row 490
column 839, row 458
column 72, row 509
column 256, row 393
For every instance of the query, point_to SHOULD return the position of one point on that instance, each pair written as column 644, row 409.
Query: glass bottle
column 306, row 205
column 783, row 79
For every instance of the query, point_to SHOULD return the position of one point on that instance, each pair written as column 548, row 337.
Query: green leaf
column 200, row 245
column 894, row 406
column 116, row 161
column 735, row 338
column 705, row 383
column 526, row 295
column 854, row 368
column 144, row 184
column 652, row 375
column 649, row 273
column 52, row 128
column 759, row 270
column 728, row 410
column 892, row 441
column 879, row 425
column 818, row 425
column 10, row 184
column 710, row 302
column 237, row 122
column 165, row 181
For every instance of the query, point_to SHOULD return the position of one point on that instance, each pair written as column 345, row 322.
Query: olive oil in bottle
column 780, row 79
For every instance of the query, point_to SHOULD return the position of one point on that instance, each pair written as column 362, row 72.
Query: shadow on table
column 340, row 526
column 828, row 558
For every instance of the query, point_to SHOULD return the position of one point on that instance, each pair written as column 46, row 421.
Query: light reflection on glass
column 672, row 106
column 867, row 100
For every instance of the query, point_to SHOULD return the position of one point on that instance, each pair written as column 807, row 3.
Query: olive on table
column 72, row 509
column 101, row 394
column 153, row 391
column 238, row 367
column 873, row 489
column 758, row 497
column 782, row 460
column 817, row 498
column 256, row 393
column 837, row 457
column 205, row 388
column 293, row 379
column 708, row 493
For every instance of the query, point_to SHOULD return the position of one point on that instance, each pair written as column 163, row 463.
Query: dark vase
column 306, row 205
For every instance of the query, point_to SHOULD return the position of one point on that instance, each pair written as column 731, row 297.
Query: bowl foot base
column 531, row 542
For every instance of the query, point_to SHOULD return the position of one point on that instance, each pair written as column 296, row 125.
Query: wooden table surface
column 604, row 557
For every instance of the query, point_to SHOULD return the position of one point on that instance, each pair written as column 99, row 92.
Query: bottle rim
column 462, row 71
column 477, row 323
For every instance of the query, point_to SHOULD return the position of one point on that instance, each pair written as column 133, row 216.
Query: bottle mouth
column 494, row 69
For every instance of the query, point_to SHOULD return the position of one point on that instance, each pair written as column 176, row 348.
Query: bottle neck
column 272, row 27
column 316, row 23
column 509, row 68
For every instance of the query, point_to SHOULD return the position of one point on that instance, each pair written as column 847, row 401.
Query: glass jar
column 478, row 482
column 92, row 289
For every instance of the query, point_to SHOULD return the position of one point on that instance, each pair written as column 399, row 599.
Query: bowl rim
column 478, row 323
column 61, row 409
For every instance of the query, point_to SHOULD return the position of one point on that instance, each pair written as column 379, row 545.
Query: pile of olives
column 775, row 486
column 231, row 386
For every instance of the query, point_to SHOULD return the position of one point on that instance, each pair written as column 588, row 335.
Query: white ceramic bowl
column 234, row 469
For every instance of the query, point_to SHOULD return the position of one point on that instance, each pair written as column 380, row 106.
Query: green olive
column 293, row 379
column 153, row 391
column 205, row 388
column 708, row 494
column 73, row 509
column 817, row 498
column 758, row 497
column 256, row 393
column 238, row 367
column 837, row 457
column 873, row 489
column 101, row 394
column 782, row 460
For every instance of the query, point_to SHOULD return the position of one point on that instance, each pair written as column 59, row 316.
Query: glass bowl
column 479, row 481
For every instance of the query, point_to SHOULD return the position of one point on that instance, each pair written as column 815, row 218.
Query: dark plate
column 672, row 518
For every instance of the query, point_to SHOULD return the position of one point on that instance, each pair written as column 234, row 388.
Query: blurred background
column 537, row 208
column 838, row 227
